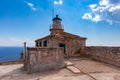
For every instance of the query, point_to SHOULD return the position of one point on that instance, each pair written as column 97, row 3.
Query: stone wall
column 41, row 59
column 106, row 54
column 73, row 46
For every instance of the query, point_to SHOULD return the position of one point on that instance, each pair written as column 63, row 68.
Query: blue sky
column 27, row 20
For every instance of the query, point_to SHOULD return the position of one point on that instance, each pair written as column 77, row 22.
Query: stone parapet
column 109, row 55
column 42, row 59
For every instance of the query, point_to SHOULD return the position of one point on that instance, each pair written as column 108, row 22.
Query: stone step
column 73, row 69
column 68, row 63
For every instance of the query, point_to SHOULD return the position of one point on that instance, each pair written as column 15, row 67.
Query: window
column 37, row 44
column 45, row 43
column 40, row 44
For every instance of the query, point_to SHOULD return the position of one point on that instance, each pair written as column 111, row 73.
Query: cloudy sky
column 27, row 20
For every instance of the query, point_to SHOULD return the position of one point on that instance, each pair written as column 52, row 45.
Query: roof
column 46, row 37
column 64, row 35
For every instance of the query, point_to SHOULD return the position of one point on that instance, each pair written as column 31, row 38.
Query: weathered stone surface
column 74, row 69
column 106, row 54
column 73, row 45
column 42, row 59
column 93, row 70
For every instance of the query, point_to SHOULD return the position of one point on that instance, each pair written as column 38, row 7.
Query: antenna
column 53, row 13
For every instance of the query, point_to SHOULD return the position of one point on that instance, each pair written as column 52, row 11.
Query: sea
column 10, row 53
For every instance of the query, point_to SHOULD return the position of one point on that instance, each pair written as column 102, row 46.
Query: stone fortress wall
column 109, row 55
column 41, row 59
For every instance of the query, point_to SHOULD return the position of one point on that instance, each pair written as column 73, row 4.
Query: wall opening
column 63, row 46
column 40, row 44
column 45, row 43
column 37, row 44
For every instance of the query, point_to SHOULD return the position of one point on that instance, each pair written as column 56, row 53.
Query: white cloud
column 87, row 16
column 14, row 42
column 92, row 6
column 104, row 2
column 105, row 10
column 97, row 18
column 10, row 42
column 114, row 8
column 58, row 2
column 110, row 21
column 30, row 5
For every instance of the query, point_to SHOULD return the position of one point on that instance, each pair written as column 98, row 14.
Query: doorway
column 63, row 46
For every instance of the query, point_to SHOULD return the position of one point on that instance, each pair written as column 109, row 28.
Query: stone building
column 73, row 45
column 50, row 51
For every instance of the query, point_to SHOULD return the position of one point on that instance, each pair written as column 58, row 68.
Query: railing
column 50, row 27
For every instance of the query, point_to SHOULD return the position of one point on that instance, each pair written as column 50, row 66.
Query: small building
column 73, row 45
column 50, row 51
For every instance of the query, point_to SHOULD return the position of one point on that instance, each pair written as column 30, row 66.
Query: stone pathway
column 106, row 76
column 88, row 70
column 74, row 69
column 82, row 77
column 68, row 63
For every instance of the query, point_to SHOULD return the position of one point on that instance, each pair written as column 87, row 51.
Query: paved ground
column 90, row 70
